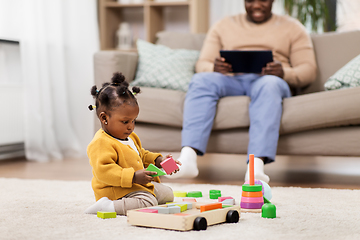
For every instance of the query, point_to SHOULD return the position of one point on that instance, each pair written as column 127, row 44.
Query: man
column 294, row 66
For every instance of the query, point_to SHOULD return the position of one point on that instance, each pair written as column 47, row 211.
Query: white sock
column 189, row 168
column 103, row 205
column 258, row 171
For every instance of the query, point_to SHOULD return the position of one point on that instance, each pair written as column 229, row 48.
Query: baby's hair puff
column 113, row 94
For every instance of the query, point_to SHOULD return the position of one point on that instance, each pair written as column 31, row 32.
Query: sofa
column 314, row 121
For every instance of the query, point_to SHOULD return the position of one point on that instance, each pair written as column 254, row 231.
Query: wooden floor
column 298, row 171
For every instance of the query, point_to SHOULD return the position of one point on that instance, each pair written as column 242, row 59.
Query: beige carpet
column 42, row 209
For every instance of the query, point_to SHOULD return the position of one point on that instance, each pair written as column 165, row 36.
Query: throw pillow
column 348, row 76
column 163, row 67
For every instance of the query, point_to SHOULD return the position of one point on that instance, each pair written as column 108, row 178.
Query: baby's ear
column 103, row 117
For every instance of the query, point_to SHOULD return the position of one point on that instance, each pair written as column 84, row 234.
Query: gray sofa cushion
column 306, row 112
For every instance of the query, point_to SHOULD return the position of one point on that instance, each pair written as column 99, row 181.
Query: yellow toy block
column 179, row 194
column 183, row 206
column 105, row 215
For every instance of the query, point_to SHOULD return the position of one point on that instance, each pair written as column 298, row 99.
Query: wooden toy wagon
column 184, row 216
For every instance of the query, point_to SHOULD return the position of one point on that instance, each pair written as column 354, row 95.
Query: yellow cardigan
column 114, row 165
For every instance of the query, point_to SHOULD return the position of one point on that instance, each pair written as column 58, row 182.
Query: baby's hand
column 143, row 177
column 176, row 161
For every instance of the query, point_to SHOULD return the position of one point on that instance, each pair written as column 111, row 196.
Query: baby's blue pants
column 266, row 94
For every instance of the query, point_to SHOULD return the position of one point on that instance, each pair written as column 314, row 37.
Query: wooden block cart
column 187, row 220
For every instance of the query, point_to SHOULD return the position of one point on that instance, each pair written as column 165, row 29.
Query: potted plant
column 317, row 12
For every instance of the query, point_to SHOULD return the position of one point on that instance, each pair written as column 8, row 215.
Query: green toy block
column 153, row 168
column 266, row 200
column 183, row 206
column 214, row 194
column 214, row 191
column 105, row 215
column 268, row 210
column 252, row 188
column 194, row 194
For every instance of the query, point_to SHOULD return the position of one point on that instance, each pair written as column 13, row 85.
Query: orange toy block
column 210, row 206
column 251, row 194
column 251, row 169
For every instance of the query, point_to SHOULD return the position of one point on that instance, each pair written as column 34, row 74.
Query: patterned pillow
column 163, row 67
column 347, row 77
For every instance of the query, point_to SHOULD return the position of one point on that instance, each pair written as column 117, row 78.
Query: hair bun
column 118, row 78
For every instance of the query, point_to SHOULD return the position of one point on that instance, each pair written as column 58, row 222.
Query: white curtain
column 57, row 40
column 347, row 12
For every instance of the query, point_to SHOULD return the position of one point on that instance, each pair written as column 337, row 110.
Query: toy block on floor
column 214, row 194
column 169, row 165
column 105, row 215
column 153, row 168
column 179, row 194
column 189, row 200
column 210, row 206
column 194, row 194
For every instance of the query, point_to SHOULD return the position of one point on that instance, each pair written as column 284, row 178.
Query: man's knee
column 204, row 79
column 275, row 85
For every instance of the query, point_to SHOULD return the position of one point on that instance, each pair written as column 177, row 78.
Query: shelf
column 111, row 14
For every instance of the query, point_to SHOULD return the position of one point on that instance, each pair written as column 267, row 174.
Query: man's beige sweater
column 285, row 36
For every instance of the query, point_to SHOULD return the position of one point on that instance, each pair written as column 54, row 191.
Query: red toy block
column 220, row 199
column 148, row 210
column 210, row 206
column 169, row 165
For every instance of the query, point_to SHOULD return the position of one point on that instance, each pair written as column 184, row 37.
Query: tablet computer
column 247, row 61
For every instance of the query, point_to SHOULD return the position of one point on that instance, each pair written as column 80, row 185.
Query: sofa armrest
column 108, row 62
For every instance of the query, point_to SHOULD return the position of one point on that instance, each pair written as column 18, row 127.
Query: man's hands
column 143, row 177
column 273, row 68
column 221, row 66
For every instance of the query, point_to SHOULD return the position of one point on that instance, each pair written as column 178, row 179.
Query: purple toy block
column 169, row 165
column 251, row 205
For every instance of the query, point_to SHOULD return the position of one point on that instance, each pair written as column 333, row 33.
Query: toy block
column 252, row 199
column 266, row 200
column 189, row 200
column 181, row 214
column 228, row 202
column 179, row 194
column 174, row 209
column 105, row 215
column 252, row 188
column 220, row 199
column 214, row 194
column 148, row 210
column 251, row 169
column 251, row 194
column 153, row 168
column 226, row 206
column 268, row 210
column 169, row 165
column 183, row 206
column 210, row 206
column 251, row 205
column 189, row 205
column 194, row 194
column 162, row 210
